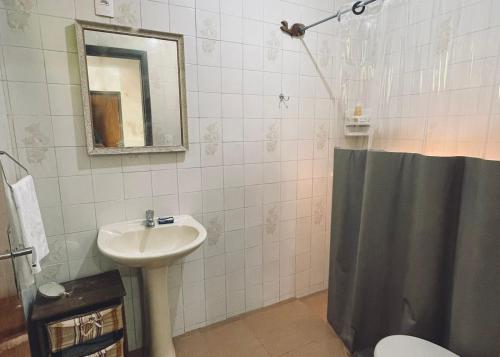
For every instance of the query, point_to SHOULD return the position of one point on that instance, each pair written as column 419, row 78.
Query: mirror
column 133, row 87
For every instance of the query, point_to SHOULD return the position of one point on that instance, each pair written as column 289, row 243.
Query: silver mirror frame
column 80, row 27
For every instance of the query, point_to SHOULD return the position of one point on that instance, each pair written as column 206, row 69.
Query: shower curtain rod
column 298, row 30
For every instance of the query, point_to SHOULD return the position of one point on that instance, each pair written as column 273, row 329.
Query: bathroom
column 334, row 185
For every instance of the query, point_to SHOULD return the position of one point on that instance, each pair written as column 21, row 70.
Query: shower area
column 415, row 218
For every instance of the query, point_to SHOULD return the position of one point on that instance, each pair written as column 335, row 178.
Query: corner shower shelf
column 356, row 126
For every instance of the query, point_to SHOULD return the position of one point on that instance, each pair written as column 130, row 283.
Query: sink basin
column 134, row 245
column 153, row 249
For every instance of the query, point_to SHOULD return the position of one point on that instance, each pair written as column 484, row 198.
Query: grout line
column 490, row 114
column 221, row 123
column 46, row 85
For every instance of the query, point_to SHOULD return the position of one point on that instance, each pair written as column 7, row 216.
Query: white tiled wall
column 256, row 175
column 442, row 58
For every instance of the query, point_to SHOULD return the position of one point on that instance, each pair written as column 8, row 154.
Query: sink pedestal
column 156, row 296
column 153, row 249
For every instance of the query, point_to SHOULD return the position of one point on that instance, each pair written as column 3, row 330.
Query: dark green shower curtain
column 415, row 250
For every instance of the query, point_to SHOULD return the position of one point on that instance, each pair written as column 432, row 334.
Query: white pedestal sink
column 153, row 249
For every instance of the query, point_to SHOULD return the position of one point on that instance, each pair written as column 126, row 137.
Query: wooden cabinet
column 91, row 320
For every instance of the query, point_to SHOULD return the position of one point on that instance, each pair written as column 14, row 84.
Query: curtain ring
column 357, row 9
column 339, row 15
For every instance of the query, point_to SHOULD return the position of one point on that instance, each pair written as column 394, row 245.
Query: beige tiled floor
column 296, row 328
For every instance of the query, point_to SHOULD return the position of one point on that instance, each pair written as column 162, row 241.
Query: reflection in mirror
column 119, row 96
column 134, row 89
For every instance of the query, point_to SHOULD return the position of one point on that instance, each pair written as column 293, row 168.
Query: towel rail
column 15, row 161
column 20, row 253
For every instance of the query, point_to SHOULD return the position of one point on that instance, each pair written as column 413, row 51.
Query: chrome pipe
column 338, row 14
column 20, row 253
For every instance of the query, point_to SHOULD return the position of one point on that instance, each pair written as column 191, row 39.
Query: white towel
column 30, row 218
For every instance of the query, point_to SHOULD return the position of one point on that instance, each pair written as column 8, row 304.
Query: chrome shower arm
column 298, row 30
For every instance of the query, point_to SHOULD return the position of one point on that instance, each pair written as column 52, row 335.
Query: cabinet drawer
column 83, row 328
column 115, row 350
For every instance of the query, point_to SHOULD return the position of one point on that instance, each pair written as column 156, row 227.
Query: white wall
column 256, row 175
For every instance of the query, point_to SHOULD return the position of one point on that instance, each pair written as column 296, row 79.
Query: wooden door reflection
column 106, row 117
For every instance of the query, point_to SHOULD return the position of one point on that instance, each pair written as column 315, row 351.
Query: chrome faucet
column 150, row 218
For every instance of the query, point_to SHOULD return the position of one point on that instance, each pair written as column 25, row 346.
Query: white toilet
column 409, row 346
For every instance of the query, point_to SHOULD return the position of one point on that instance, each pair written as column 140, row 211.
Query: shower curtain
column 415, row 250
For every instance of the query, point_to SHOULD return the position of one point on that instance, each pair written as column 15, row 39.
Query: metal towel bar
column 22, row 251
column 19, row 253
column 15, row 161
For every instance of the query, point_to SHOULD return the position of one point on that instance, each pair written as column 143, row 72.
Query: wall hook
column 358, row 8
column 283, row 100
